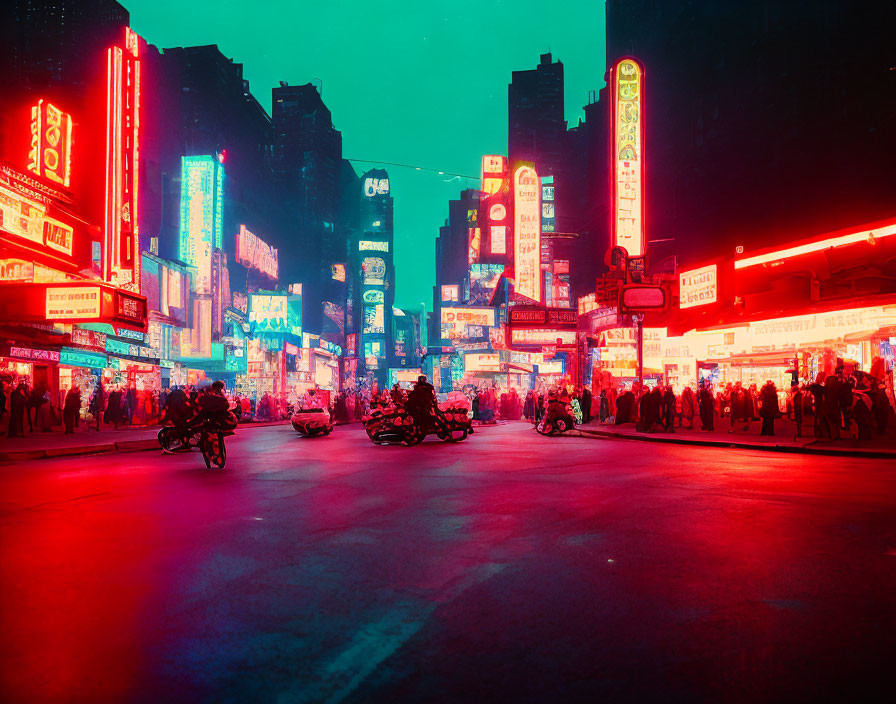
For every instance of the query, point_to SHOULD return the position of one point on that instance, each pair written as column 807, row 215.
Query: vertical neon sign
column 627, row 153
column 121, row 245
column 527, row 232
column 201, row 215
column 51, row 143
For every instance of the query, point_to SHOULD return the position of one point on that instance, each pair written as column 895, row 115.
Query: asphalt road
column 510, row 567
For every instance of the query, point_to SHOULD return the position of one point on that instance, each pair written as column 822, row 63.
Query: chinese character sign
column 527, row 232
column 200, row 203
column 698, row 287
column 51, row 143
column 628, row 157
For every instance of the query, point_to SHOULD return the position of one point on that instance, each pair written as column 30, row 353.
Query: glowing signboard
column 36, row 355
column 482, row 362
column 698, row 287
column 254, row 253
column 63, row 303
column 628, row 158
column 51, row 143
column 547, row 204
column 337, row 272
column 201, row 210
column 527, row 232
column 373, row 296
column 498, row 239
column 483, row 281
column 474, row 244
column 121, row 253
column 450, row 293
column 371, row 246
column 28, row 219
column 541, row 336
column 374, row 319
column 456, row 322
column 494, row 168
column 269, row 311
column 376, row 187
column 374, row 269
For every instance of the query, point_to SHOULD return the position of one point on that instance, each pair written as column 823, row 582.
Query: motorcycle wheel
column 166, row 437
column 457, row 435
column 204, row 446
column 562, row 425
column 547, row 429
column 221, row 455
column 328, row 431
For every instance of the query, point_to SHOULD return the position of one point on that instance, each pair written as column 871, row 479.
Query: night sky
column 408, row 82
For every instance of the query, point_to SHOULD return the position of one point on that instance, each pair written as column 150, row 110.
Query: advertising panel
column 294, row 313
column 201, row 201
column 374, row 271
column 527, row 232
column 268, row 311
column 50, row 156
column 254, row 253
column 698, row 287
column 482, row 362
column 337, row 272
column 494, row 169
column 374, row 319
column 628, row 159
column 403, row 377
column 547, row 204
column 81, row 302
column 372, row 246
column 541, row 336
column 450, row 293
column 376, row 187
column 483, row 281
column 456, row 321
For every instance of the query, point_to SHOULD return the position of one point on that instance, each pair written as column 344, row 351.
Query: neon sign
column 527, row 232
column 82, row 302
column 51, row 143
column 254, row 253
column 121, row 253
column 698, row 287
column 450, row 293
column 628, row 159
column 494, row 167
column 376, row 187
column 201, row 211
column 371, row 246
column 374, row 269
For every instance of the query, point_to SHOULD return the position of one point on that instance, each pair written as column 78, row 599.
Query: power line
column 411, row 166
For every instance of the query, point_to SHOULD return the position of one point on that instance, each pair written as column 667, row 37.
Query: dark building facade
column 764, row 121
column 307, row 161
column 536, row 125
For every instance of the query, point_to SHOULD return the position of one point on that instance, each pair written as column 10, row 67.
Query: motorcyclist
column 421, row 402
column 178, row 412
column 213, row 403
column 556, row 407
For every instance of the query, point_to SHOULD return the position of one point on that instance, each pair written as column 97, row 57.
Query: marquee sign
column 527, row 232
column 626, row 85
column 50, row 156
column 254, row 253
column 561, row 318
column 698, row 287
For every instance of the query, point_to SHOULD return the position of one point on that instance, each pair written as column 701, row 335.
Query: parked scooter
column 558, row 418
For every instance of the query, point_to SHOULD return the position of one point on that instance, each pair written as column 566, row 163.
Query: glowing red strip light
column 863, row 236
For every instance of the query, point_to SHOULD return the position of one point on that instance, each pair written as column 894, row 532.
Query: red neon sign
column 121, row 260
column 50, row 155
column 627, row 154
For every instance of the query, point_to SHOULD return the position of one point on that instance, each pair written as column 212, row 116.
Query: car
column 311, row 422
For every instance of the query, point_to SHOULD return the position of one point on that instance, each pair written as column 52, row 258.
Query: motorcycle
column 206, row 433
column 312, row 422
column 396, row 426
column 558, row 418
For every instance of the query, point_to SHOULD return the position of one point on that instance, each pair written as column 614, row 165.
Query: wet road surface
column 509, row 567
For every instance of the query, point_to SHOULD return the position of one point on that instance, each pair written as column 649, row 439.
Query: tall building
column 307, row 159
column 452, row 253
column 536, row 125
column 373, row 277
column 765, row 121
column 215, row 113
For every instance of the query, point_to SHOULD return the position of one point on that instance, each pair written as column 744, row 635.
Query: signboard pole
column 639, row 322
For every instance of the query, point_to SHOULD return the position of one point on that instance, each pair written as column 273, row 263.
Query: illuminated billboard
column 450, row 293
column 50, row 156
column 372, row 246
column 541, row 336
column 698, row 287
column 482, row 362
column 456, row 322
column 81, row 302
column 547, row 204
column 494, row 170
column 121, row 251
column 269, row 312
column 337, row 272
column 527, row 232
column 201, row 215
column 254, row 253
column 376, row 187
column 483, row 282
column 374, row 270
column 626, row 84
column 374, row 319
column 474, row 244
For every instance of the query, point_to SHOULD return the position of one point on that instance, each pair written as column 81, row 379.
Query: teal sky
column 406, row 81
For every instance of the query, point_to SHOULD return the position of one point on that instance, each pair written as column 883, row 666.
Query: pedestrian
column 668, row 406
column 71, row 409
column 768, row 399
column 586, row 404
column 97, row 405
column 861, row 411
column 796, row 403
column 18, row 407
column 131, row 402
column 688, row 407
column 706, row 401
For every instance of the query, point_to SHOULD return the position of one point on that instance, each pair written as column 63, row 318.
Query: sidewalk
column 88, row 442
column 880, row 446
